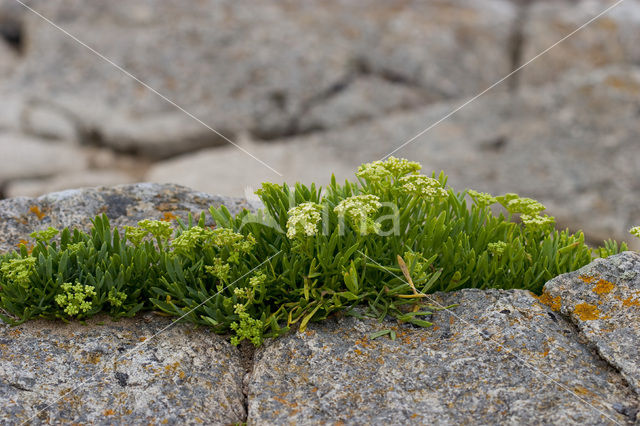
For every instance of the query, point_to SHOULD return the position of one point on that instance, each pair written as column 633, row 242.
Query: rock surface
column 108, row 372
column 499, row 356
column 251, row 69
column 603, row 299
column 610, row 40
column 123, row 205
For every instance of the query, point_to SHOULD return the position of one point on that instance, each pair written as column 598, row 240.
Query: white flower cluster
column 635, row 231
column 422, row 186
column 358, row 210
column 303, row 220
column 392, row 167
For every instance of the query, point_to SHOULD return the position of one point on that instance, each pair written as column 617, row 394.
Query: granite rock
column 123, row 205
column 260, row 69
column 603, row 300
column 105, row 372
column 24, row 157
column 499, row 357
column 610, row 40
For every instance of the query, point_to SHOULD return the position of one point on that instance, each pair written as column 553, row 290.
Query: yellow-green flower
column 358, row 210
column 303, row 220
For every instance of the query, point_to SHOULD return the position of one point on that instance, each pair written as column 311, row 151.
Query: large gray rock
column 23, row 157
column 499, row 357
column 611, row 39
column 105, row 372
column 260, row 69
column 123, row 205
column 603, row 300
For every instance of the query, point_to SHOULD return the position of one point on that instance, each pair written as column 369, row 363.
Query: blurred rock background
column 319, row 86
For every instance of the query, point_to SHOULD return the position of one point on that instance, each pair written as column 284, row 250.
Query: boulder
column 27, row 157
column 603, row 300
column 498, row 357
column 610, row 40
column 260, row 70
column 123, row 205
column 133, row 371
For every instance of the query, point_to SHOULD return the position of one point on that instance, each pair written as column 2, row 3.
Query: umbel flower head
column 75, row 298
column 482, row 199
column 391, row 168
column 303, row 220
column 635, row 231
column 358, row 210
column 422, row 186
column 537, row 221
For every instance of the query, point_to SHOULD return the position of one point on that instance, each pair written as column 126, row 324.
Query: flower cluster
column 303, row 220
column 19, row 270
column 358, row 209
column 248, row 328
column 525, row 206
column 537, row 221
column 157, row 228
column 45, row 235
column 482, row 199
column 219, row 269
column 392, row 167
column 635, row 231
column 116, row 298
column 422, row 186
column 198, row 237
column 497, row 248
column 75, row 298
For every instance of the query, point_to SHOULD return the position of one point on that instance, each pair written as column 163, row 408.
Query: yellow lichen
column 630, row 301
column 586, row 278
column 603, row 287
column 36, row 210
column 586, row 312
column 553, row 302
column 168, row 217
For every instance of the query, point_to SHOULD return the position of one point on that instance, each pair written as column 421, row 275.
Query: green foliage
column 383, row 242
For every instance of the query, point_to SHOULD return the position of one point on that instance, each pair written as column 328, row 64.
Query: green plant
column 382, row 242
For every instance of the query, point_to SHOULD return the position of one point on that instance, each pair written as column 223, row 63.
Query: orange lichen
column 603, row 287
column 555, row 303
column 108, row 412
column 630, row 301
column 586, row 312
column 586, row 278
column 168, row 217
column 36, row 210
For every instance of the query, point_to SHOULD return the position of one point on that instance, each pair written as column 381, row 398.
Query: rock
column 603, row 300
column 229, row 170
column 228, row 67
column 364, row 98
column 108, row 372
column 49, row 122
column 84, row 178
column 27, row 157
column 499, row 357
column 159, row 136
column 611, row 39
column 123, row 205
